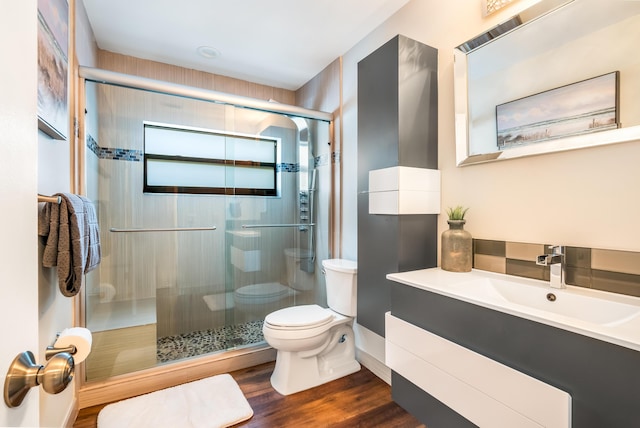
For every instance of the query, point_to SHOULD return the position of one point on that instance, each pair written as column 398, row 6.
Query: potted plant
column 457, row 243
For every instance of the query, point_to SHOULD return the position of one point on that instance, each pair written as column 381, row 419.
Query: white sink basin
column 565, row 302
column 606, row 316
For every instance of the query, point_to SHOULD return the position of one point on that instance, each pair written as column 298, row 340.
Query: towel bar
column 52, row 199
column 168, row 229
column 256, row 226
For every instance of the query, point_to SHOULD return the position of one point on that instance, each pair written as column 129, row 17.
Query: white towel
column 73, row 240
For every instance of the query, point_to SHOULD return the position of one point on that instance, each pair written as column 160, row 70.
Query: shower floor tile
column 176, row 347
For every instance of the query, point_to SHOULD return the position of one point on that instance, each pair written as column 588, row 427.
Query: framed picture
column 580, row 108
column 53, row 44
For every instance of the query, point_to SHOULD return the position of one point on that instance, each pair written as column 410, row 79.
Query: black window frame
column 201, row 190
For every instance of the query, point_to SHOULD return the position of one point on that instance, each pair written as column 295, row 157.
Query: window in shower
column 201, row 161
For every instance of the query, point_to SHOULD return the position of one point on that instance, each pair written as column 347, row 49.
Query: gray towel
column 73, row 240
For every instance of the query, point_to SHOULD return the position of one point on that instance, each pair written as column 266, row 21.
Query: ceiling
column 281, row 43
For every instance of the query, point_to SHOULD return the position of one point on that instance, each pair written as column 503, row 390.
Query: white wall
column 572, row 198
column 57, row 311
column 18, row 227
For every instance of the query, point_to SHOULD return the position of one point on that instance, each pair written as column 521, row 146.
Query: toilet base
column 294, row 373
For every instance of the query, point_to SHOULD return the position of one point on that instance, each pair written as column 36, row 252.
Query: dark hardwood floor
column 358, row 400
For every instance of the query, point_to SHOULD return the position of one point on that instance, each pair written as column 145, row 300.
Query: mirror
column 554, row 44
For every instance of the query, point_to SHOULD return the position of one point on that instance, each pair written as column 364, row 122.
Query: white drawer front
column 484, row 391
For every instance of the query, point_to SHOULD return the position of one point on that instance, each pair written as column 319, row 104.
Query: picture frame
column 53, row 45
column 584, row 107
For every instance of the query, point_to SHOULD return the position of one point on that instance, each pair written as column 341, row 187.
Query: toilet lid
column 269, row 289
column 303, row 316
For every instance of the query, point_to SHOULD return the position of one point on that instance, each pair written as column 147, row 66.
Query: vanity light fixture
column 490, row 6
column 208, row 52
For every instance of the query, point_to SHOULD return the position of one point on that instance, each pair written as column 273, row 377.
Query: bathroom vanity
column 486, row 349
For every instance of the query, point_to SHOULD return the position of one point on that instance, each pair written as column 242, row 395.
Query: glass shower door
column 190, row 273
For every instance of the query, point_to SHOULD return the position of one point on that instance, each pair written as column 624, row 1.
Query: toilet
column 316, row 345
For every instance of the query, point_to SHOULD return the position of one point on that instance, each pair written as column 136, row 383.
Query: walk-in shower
column 212, row 214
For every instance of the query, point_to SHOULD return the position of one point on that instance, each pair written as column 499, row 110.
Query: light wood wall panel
column 186, row 76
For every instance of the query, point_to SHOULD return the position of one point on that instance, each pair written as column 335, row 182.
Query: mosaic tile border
column 607, row 270
column 92, row 145
column 120, row 154
column 287, row 167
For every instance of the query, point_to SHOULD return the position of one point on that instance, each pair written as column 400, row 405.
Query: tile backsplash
column 607, row 270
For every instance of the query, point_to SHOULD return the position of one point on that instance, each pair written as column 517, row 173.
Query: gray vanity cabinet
column 603, row 379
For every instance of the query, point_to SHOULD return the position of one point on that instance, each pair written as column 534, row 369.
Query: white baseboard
column 370, row 352
column 376, row 366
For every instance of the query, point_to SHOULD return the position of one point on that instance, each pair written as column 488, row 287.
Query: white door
column 18, row 190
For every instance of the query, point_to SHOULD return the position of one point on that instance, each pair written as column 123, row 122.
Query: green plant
column 457, row 213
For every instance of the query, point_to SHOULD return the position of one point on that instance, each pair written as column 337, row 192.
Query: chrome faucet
column 556, row 264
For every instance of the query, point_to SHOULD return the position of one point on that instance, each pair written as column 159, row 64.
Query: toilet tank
column 341, row 279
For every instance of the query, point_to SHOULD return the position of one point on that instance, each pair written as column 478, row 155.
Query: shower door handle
column 255, row 226
column 168, row 229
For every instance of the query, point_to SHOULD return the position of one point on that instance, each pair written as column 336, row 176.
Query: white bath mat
column 212, row 402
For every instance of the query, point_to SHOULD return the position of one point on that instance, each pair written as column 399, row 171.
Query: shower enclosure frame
column 147, row 380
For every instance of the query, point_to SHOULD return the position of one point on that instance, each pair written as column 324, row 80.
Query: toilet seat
column 300, row 317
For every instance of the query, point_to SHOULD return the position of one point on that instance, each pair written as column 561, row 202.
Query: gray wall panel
column 377, row 255
column 397, row 126
column 377, row 112
column 418, row 109
column 417, row 247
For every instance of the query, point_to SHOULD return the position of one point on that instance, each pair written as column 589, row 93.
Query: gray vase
column 457, row 248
